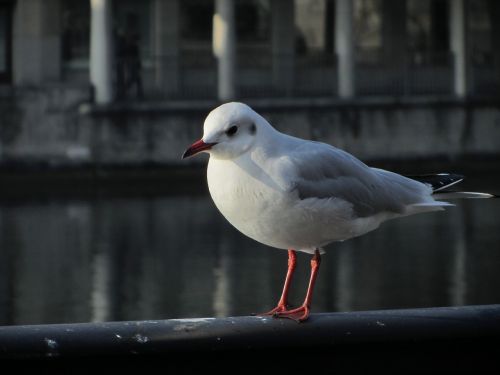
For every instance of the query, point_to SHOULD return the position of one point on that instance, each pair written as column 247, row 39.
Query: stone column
column 224, row 46
column 283, row 46
column 101, row 50
column 166, row 15
column 344, row 47
column 458, row 46
column 37, row 42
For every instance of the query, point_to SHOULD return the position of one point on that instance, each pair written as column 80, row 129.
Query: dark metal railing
column 453, row 337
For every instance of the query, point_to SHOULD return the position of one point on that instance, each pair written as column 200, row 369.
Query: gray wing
column 318, row 170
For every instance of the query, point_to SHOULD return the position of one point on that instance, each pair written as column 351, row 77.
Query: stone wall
column 54, row 126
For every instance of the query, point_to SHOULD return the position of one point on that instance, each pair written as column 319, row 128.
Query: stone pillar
column 224, row 46
column 101, row 50
column 344, row 47
column 283, row 45
column 166, row 15
column 37, row 42
column 458, row 46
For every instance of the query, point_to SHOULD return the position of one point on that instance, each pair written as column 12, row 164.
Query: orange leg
column 283, row 302
column 301, row 313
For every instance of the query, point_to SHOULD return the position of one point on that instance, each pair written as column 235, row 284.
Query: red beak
column 196, row 148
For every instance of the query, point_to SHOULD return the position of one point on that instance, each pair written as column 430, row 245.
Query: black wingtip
column 439, row 181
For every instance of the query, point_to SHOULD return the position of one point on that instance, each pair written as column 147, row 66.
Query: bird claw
column 277, row 310
column 299, row 314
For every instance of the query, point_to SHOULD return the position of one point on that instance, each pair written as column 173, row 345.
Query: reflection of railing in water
column 449, row 338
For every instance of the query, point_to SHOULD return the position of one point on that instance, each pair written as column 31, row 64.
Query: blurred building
column 268, row 48
column 57, row 54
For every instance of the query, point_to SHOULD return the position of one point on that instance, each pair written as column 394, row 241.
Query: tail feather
column 461, row 195
column 441, row 181
column 427, row 207
column 438, row 181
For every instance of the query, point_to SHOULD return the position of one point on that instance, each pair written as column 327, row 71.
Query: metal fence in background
column 193, row 75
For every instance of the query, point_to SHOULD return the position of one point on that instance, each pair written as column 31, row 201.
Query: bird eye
column 232, row 130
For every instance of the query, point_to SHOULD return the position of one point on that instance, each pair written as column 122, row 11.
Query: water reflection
column 175, row 256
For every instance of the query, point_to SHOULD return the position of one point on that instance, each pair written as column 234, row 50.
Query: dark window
column 5, row 42
column 132, row 20
column 427, row 26
column 368, row 31
column 75, row 33
column 253, row 20
column 132, row 44
column 196, row 20
column 479, row 32
column 311, row 21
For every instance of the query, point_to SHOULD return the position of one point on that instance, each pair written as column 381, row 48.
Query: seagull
column 301, row 195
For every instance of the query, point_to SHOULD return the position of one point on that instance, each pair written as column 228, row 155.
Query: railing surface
column 457, row 339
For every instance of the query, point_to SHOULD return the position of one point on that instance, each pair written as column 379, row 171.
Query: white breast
column 244, row 200
column 258, row 208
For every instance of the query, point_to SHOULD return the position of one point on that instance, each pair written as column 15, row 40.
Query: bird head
column 229, row 131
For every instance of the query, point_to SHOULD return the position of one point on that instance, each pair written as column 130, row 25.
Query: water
column 174, row 256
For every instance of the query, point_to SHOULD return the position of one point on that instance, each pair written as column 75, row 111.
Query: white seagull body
column 291, row 193
column 294, row 194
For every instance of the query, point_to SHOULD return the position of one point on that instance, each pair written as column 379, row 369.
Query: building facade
column 56, row 55
column 192, row 49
